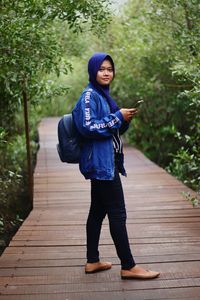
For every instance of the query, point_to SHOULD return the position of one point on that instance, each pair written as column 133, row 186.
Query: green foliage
column 13, row 175
column 156, row 49
column 75, row 81
column 186, row 162
column 30, row 44
column 183, row 21
column 194, row 199
column 155, row 45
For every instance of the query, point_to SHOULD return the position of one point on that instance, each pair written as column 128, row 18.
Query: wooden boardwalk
column 45, row 258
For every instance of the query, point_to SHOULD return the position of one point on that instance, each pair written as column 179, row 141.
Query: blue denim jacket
column 97, row 125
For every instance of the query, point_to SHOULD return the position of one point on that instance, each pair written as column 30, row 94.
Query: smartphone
column 138, row 103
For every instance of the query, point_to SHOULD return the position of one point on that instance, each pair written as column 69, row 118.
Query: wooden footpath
column 45, row 259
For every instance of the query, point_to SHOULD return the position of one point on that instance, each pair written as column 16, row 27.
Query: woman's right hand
column 128, row 113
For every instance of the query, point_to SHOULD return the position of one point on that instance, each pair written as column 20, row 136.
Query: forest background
column 45, row 46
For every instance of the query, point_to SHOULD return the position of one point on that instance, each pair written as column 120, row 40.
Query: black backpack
column 69, row 146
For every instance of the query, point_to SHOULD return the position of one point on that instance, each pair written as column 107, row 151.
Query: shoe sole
column 139, row 277
column 96, row 271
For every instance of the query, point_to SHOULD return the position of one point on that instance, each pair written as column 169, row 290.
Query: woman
column 101, row 122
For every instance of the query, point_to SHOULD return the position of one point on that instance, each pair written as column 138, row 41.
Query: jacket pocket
column 90, row 154
column 87, row 163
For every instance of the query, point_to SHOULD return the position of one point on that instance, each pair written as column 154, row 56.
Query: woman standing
column 101, row 122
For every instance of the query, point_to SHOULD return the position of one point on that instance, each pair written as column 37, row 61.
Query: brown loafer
column 138, row 273
column 97, row 267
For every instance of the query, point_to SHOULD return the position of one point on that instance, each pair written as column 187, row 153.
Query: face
column 105, row 74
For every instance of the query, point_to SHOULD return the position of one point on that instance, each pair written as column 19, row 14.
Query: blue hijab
column 93, row 66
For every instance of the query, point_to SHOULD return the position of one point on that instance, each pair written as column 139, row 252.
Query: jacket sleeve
column 124, row 127
column 87, row 121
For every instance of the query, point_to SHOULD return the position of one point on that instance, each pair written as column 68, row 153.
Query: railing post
column 28, row 148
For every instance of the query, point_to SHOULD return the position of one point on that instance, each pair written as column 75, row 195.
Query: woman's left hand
column 128, row 113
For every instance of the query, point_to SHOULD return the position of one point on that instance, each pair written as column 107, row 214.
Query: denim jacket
column 97, row 125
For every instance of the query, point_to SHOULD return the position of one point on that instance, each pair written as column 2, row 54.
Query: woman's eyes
column 104, row 69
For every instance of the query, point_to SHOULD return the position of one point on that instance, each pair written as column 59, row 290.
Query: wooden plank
column 62, row 260
column 82, row 287
column 157, row 294
column 170, row 270
column 139, row 249
column 65, row 242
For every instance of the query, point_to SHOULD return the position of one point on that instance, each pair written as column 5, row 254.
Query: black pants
column 107, row 198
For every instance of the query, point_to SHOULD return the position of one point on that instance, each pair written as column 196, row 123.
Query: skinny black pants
column 107, row 198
